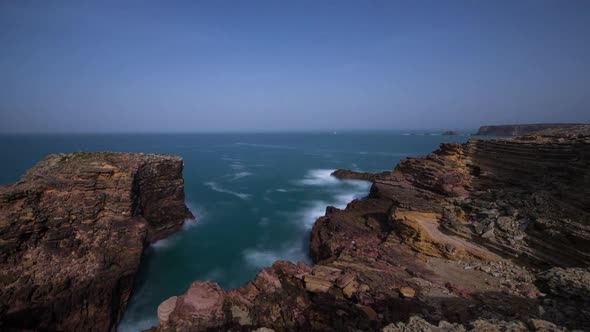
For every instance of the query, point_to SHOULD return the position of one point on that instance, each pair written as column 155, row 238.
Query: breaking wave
column 319, row 177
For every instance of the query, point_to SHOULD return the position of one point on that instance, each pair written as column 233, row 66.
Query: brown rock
column 350, row 289
column 370, row 312
column 241, row 315
column 201, row 306
column 317, row 285
column 345, row 280
column 165, row 308
column 422, row 224
column 544, row 326
column 407, row 292
column 74, row 229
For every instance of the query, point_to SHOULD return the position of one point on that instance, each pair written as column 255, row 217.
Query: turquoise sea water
column 255, row 197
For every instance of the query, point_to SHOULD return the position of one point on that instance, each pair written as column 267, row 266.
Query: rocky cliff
column 72, row 232
column 486, row 235
column 521, row 129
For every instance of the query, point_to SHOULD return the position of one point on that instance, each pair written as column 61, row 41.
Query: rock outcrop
column 72, row 232
column 523, row 129
column 486, row 235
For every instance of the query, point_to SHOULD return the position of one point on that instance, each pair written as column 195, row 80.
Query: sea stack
column 72, row 232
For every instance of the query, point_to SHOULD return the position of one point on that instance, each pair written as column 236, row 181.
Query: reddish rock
column 72, row 233
column 414, row 246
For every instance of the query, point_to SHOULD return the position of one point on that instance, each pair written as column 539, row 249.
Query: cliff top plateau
column 526, row 129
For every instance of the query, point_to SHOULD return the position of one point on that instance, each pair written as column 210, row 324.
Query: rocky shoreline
column 72, row 233
column 483, row 235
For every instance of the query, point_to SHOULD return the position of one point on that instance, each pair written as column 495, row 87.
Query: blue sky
column 190, row 66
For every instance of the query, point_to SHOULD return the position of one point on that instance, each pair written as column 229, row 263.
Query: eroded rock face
column 72, row 233
column 476, row 236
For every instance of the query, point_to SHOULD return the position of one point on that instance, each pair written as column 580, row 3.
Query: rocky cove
column 475, row 236
column 486, row 235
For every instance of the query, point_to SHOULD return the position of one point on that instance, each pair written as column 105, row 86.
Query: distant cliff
column 72, row 233
column 520, row 129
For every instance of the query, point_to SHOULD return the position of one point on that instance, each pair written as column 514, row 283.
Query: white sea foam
column 270, row 146
column 281, row 190
column 137, row 325
column 236, row 165
column 341, row 191
column 212, row 275
column 319, row 177
column 169, row 241
column 162, row 244
column 198, row 213
column 228, row 158
column 214, row 186
column 260, row 258
column 240, row 175
column 314, row 210
column 189, row 223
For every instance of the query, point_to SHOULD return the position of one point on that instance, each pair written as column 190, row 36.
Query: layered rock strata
column 523, row 129
column 486, row 235
column 72, row 232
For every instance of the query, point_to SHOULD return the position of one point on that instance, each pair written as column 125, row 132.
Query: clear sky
column 188, row 66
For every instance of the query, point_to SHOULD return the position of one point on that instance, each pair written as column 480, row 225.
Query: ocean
column 255, row 197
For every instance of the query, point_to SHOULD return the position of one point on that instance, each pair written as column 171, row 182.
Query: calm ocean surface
column 255, row 197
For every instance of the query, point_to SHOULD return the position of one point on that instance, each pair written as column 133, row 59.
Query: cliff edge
column 490, row 234
column 523, row 129
column 72, row 232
